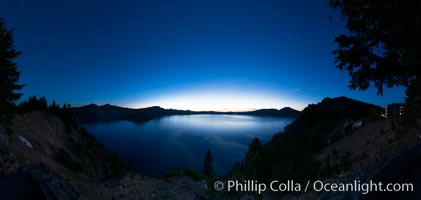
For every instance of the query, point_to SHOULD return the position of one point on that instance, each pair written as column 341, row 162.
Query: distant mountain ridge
column 107, row 112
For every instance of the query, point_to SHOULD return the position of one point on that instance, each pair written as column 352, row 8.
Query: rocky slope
column 56, row 144
column 364, row 147
column 46, row 159
column 371, row 150
column 338, row 140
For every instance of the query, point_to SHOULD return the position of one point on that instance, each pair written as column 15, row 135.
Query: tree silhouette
column 8, row 75
column 253, row 162
column 254, row 147
column 207, row 164
column 383, row 46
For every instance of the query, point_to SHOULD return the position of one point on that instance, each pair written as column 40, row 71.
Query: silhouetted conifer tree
column 383, row 44
column 9, row 76
column 208, row 164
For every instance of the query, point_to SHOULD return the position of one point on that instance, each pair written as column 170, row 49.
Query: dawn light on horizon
column 147, row 53
column 221, row 101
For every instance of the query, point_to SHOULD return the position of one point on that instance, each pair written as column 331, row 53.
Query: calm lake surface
column 181, row 141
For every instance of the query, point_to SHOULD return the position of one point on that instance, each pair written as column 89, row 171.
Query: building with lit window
column 393, row 111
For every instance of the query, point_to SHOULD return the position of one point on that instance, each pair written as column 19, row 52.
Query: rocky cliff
column 46, row 158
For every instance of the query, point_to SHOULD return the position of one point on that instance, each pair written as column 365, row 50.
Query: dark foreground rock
column 37, row 182
column 400, row 166
column 138, row 187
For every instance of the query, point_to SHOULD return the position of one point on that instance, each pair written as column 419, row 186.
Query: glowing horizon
column 228, row 100
column 198, row 56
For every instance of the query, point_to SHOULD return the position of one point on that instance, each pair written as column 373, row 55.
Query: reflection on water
column 181, row 141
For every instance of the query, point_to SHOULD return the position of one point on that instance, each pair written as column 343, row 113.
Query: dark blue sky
column 198, row 54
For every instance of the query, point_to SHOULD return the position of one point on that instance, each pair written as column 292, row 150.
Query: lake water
column 181, row 141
